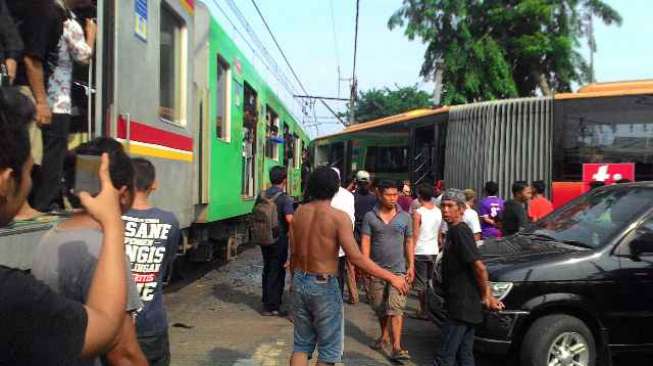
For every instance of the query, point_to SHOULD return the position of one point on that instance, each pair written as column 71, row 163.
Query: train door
column 250, row 118
column 86, row 78
column 423, row 155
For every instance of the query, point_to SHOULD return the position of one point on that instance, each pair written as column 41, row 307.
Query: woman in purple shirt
column 490, row 209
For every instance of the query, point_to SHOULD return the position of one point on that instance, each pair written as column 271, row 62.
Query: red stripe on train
column 151, row 135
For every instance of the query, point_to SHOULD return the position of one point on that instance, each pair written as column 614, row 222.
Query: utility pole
column 352, row 102
column 591, row 42
column 437, row 78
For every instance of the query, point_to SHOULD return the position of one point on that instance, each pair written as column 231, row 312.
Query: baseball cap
column 455, row 195
column 363, row 176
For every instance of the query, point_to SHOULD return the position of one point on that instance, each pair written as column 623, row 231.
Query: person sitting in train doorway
column 67, row 255
column 151, row 239
column 75, row 45
column 275, row 255
column 387, row 238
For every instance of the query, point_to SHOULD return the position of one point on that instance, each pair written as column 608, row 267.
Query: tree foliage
column 378, row 103
column 490, row 49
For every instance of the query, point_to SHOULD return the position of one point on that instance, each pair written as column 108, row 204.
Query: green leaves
column 502, row 48
column 378, row 103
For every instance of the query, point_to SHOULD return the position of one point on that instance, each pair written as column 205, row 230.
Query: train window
column 603, row 130
column 273, row 139
column 223, row 103
column 172, row 75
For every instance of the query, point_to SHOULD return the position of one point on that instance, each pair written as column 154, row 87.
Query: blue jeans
column 318, row 316
column 456, row 344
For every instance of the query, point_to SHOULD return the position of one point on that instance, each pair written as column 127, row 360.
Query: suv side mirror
column 642, row 244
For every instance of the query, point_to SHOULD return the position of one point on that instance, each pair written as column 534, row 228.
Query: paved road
column 215, row 321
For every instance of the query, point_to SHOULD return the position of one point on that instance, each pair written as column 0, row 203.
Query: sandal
column 401, row 355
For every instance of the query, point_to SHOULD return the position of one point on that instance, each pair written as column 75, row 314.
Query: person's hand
column 90, row 28
column 43, row 114
column 11, row 68
column 105, row 207
column 493, row 304
column 399, row 282
column 410, row 275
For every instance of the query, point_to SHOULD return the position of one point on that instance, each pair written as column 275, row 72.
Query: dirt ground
column 214, row 321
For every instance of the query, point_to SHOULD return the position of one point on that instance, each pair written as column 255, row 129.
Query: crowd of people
column 40, row 41
column 380, row 236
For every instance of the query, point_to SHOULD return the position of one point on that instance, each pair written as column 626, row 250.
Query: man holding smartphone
column 67, row 255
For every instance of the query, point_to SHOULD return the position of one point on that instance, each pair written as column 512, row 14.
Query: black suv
column 577, row 285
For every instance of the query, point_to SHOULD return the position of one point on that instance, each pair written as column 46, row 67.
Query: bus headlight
column 500, row 289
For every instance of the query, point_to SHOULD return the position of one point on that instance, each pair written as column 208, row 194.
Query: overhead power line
column 287, row 61
column 354, row 82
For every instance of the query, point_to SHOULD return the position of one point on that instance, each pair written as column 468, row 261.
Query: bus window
column 603, row 130
column 387, row 159
column 172, row 75
column 272, row 140
column 223, row 103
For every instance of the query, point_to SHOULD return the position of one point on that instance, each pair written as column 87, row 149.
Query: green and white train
column 173, row 87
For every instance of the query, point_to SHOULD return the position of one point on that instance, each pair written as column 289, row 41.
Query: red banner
column 608, row 173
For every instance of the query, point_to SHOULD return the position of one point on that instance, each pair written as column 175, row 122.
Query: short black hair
column 144, row 174
column 491, row 188
column 519, row 186
column 383, row 185
column 539, row 186
column 121, row 170
column 322, row 184
column 15, row 113
column 425, row 191
column 278, row 174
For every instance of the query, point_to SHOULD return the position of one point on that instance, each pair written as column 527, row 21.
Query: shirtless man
column 317, row 232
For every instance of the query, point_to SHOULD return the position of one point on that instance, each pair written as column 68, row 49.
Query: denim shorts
column 318, row 316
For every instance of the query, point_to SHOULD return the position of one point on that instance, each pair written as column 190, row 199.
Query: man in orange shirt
column 539, row 206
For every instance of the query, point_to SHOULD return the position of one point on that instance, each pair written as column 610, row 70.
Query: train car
column 173, row 87
column 607, row 127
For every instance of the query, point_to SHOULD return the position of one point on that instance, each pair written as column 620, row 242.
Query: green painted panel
column 225, row 200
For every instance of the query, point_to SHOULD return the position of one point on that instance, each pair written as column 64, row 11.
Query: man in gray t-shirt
column 67, row 255
column 387, row 239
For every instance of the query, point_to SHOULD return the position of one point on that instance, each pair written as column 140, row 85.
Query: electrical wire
column 288, row 62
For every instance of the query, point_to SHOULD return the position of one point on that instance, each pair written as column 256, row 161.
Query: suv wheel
column 560, row 340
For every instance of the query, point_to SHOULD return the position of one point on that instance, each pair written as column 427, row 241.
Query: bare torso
column 315, row 230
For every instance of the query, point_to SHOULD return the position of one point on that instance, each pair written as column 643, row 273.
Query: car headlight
column 500, row 289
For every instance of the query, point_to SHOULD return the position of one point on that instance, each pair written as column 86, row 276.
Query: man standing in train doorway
column 276, row 255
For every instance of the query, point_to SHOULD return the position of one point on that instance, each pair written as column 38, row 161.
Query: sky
column 317, row 37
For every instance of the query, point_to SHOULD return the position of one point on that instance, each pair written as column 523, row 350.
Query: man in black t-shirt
column 466, row 286
column 275, row 256
column 514, row 213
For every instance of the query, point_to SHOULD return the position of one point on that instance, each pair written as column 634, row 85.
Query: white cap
column 363, row 176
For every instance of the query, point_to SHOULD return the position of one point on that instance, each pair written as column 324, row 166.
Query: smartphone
column 87, row 168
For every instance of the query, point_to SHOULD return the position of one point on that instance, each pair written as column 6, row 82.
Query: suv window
column 597, row 217
column 643, row 232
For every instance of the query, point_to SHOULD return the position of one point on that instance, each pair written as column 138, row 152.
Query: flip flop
column 401, row 355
